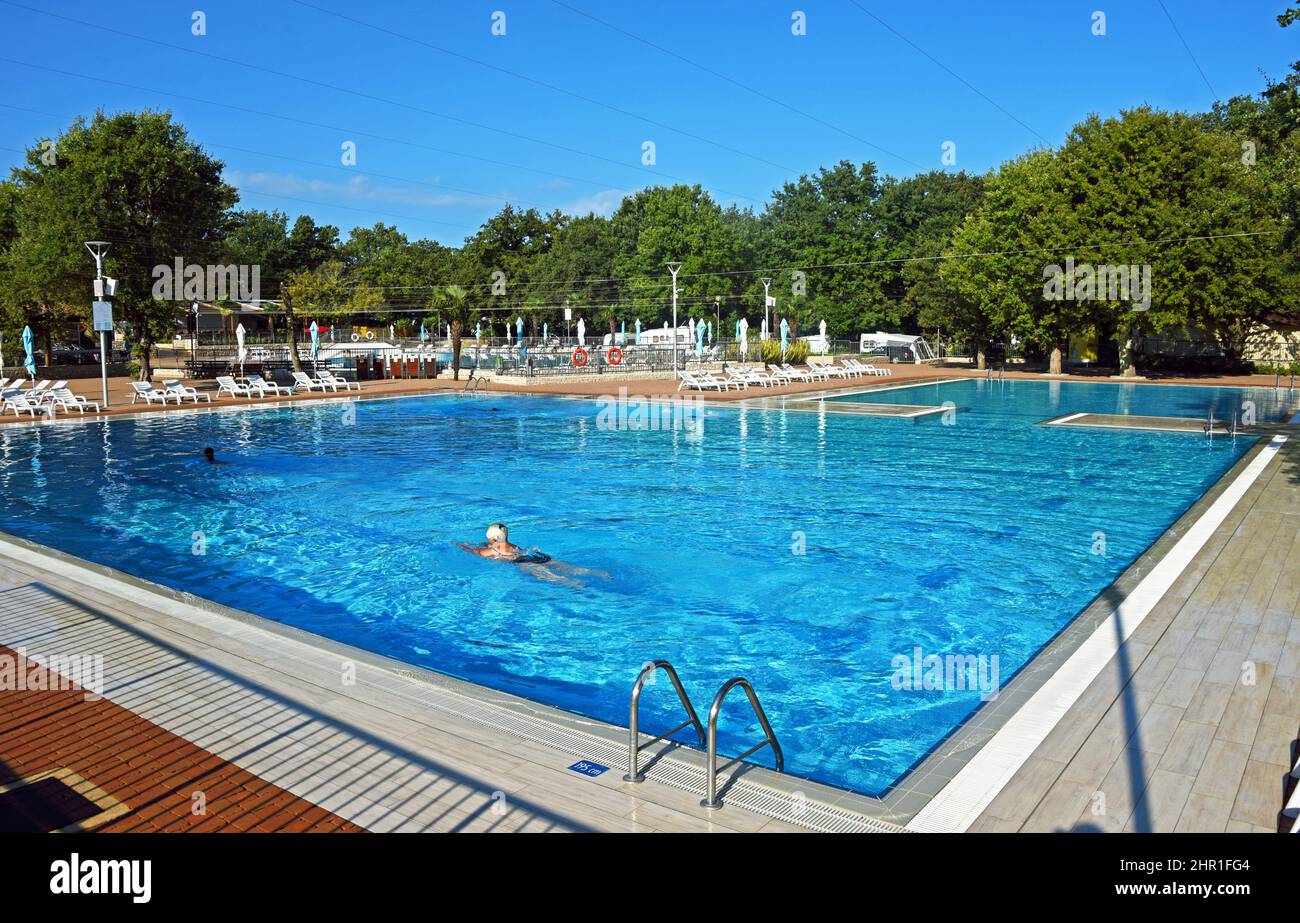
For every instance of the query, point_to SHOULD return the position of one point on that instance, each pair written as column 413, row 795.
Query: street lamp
column 673, row 268
column 767, row 302
column 194, row 338
column 102, row 317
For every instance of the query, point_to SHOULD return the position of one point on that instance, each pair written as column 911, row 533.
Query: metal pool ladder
column 711, row 799
column 708, row 739
column 634, row 746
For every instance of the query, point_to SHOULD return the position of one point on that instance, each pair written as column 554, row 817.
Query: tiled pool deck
column 1173, row 733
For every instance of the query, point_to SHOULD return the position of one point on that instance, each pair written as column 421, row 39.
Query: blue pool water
column 975, row 538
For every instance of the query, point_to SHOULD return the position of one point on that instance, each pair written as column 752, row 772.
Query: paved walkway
column 1192, row 725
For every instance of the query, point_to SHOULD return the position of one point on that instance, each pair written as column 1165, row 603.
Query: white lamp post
column 767, row 301
column 97, row 249
column 673, row 268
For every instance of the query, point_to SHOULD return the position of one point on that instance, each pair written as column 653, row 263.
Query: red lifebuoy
column 614, row 356
column 579, row 357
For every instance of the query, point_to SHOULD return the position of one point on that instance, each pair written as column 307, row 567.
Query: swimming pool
column 804, row 550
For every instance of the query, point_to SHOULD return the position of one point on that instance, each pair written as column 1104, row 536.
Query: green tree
column 135, row 180
column 1183, row 188
column 826, row 226
column 996, row 259
column 919, row 216
column 578, row 266
column 498, row 264
column 662, row 224
column 1156, row 192
column 285, row 255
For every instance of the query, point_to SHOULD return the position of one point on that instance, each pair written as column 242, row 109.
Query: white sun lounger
column 813, row 372
column 303, row 380
column 19, row 403
column 146, row 390
column 338, row 381
column 261, row 386
column 700, row 381
column 755, row 377
column 869, row 369
column 182, row 391
column 227, row 383
column 64, row 398
column 790, row 373
column 831, row 369
column 40, row 396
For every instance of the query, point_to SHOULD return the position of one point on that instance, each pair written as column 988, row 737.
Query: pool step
column 1160, row 424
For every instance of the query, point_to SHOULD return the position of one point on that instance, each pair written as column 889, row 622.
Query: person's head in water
column 209, row 454
column 498, row 533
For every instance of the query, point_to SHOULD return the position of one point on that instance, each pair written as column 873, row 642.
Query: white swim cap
column 497, row 533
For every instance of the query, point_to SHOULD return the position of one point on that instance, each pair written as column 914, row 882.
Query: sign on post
column 102, row 316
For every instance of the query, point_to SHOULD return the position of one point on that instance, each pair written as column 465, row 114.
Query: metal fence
column 413, row 358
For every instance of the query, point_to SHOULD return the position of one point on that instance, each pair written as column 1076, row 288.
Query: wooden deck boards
column 1193, row 728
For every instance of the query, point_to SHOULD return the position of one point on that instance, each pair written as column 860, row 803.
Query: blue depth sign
column 588, row 768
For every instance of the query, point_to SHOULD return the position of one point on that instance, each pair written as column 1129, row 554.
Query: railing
column 635, row 746
column 711, row 799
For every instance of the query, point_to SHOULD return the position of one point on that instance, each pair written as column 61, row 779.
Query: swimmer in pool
column 542, row 566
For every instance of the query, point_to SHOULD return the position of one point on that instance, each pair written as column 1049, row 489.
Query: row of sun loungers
column 784, row 374
column 47, row 398
column 43, row 398
column 250, row 387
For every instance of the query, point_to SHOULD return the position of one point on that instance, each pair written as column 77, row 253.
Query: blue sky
column 554, row 114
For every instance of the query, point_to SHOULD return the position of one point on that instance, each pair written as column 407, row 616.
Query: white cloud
column 359, row 188
column 604, row 202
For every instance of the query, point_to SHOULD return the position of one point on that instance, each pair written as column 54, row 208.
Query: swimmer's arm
column 482, row 550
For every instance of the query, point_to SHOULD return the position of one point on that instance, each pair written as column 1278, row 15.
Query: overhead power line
column 1188, row 48
column 549, row 86
column 734, row 82
column 962, row 80
column 622, row 164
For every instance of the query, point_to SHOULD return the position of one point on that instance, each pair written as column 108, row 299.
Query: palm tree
column 453, row 300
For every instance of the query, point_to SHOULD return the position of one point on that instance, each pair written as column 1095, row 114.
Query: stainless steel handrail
column 634, row 746
column 711, row 799
column 475, row 381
